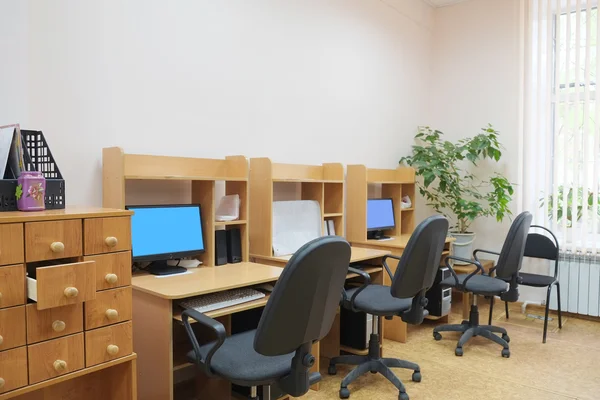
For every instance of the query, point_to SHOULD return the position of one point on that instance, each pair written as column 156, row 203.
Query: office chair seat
column 478, row 284
column 237, row 360
column 536, row 280
column 378, row 300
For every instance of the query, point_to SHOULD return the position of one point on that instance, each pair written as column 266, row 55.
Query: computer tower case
column 439, row 299
column 355, row 329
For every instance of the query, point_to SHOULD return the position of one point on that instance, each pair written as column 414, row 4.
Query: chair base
column 472, row 328
column 375, row 364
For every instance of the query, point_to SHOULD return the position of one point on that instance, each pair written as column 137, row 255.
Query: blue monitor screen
column 164, row 232
column 380, row 214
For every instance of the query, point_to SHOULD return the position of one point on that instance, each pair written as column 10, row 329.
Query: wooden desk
column 395, row 329
column 467, row 269
column 159, row 337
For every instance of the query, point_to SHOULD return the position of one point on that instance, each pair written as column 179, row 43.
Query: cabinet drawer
column 52, row 240
column 12, row 327
column 13, row 369
column 12, row 286
column 110, row 307
column 106, row 235
column 62, row 285
column 11, row 244
column 105, row 344
column 53, row 322
column 55, row 357
column 112, row 270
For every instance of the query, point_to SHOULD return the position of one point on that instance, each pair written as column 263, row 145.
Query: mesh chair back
column 421, row 258
column 511, row 256
column 303, row 304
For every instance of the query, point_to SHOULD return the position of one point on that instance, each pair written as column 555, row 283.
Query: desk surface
column 205, row 280
column 358, row 254
column 397, row 241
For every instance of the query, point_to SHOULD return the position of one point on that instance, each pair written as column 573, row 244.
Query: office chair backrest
column 421, row 258
column 511, row 256
column 303, row 304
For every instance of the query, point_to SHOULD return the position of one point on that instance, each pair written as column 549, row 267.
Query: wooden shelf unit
column 322, row 183
column 395, row 183
column 203, row 173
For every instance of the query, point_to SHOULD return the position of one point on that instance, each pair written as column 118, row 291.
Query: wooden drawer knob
column 112, row 349
column 2, row 382
column 57, row 247
column 111, row 241
column 1, row 339
column 60, row 365
column 111, row 278
column 71, row 292
column 112, row 314
column 58, row 326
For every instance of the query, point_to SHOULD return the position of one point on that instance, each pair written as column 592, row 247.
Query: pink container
column 30, row 197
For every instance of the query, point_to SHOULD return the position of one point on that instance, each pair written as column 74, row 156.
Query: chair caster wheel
column 458, row 351
column 416, row 376
column 344, row 393
column 403, row 396
column 332, row 370
column 437, row 336
column 506, row 338
column 506, row 353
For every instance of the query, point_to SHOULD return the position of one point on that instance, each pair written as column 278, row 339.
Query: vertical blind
column 562, row 120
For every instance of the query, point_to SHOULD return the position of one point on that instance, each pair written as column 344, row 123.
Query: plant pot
column 463, row 246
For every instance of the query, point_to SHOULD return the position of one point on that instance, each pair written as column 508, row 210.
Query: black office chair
column 505, row 285
column 300, row 311
column 405, row 298
column 540, row 246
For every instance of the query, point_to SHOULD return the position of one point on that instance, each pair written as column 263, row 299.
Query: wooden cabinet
column 74, row 266
column 110, row 307
column 12, row 327
column 13, row 369
column 53, row 322
column 55, row 357
column 105, row 344
column 61, row 285
column 12, row 285
column 104, row 235
column 52, row 240
column 112, row 270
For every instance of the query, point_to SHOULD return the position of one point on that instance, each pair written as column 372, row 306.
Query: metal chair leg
column 506, row 308
column 491, row 310
column 559, row 310
column 546, row 315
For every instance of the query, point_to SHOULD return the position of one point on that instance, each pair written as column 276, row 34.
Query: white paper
column 172, row 275
column 6, row 135
column 229, row 208
column 331, row 227
column 294, row 224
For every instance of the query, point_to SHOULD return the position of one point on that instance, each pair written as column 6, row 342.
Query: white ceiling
column 442, row 3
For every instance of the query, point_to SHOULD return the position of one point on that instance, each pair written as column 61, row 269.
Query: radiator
column 579, row 277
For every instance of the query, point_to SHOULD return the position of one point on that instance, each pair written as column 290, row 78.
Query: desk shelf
column 230, row 223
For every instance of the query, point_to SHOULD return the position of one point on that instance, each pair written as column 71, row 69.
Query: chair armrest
column 384, row 260
column 483, row 251
column 214, row 325
column 366, row 282
column 467, row 261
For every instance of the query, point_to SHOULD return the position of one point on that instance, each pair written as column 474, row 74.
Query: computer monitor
column 166, row 232
column 380, row 216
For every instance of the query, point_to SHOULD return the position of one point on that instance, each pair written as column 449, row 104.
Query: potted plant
column 449, row 186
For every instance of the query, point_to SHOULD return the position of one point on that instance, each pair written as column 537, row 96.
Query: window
column 562, row 121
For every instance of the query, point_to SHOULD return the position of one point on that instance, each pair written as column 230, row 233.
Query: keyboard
column 227, row 298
